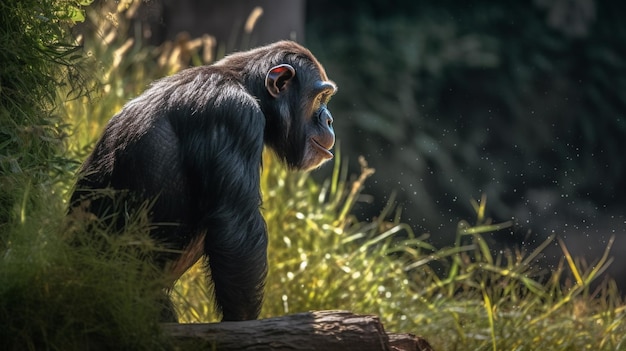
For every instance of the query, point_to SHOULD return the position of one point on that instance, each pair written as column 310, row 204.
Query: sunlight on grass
column 476, row 301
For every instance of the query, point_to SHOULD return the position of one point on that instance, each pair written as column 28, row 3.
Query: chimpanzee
column 191, row 146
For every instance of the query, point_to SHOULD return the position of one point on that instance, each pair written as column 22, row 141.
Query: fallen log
column 320, row 330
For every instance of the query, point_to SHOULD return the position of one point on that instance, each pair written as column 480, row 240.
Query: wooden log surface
column 320, row 330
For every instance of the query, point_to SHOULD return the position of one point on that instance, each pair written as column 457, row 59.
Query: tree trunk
column 322, row 330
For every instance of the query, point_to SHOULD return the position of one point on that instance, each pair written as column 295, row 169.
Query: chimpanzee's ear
column 277, row 79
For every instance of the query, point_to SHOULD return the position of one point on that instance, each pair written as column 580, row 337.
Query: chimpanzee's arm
column 222, row 149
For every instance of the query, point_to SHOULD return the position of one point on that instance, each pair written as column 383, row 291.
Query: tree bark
column 322, row 330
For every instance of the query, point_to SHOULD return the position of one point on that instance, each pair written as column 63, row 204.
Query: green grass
column 464, row 297
column 322, row 259
column 96, row 295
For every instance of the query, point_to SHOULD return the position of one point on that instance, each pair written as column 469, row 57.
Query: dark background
column 524, row 101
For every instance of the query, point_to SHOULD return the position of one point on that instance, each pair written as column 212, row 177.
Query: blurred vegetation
column 101, row 296
column 463, row 98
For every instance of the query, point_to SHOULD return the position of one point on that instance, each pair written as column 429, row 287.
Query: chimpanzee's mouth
column 321, row 148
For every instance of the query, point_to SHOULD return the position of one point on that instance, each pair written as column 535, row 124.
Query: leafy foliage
column 36, row 58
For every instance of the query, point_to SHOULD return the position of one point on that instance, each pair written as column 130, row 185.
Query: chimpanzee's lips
column 322, row 149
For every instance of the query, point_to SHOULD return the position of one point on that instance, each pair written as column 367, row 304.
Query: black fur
column 191, row 145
